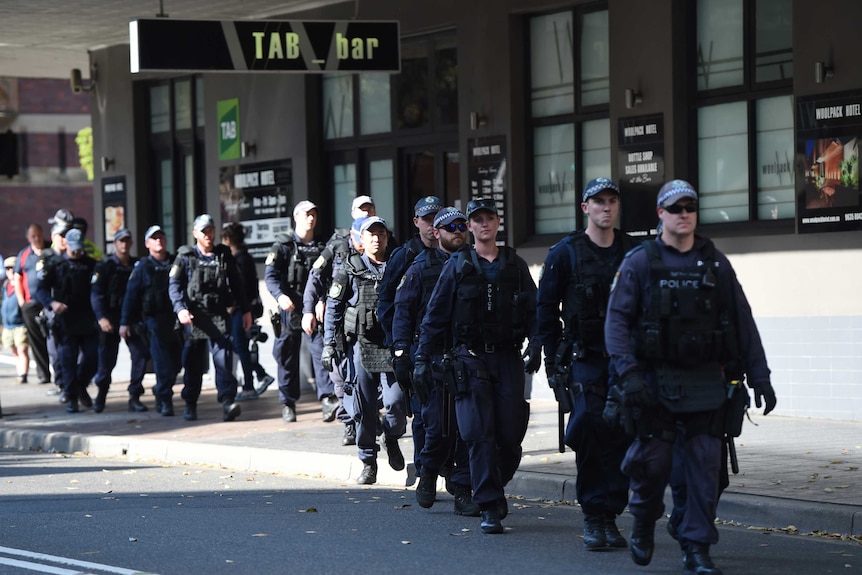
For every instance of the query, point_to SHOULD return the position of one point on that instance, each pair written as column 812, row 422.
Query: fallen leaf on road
column 309, row 510
column 261, row 535
column 405, row 543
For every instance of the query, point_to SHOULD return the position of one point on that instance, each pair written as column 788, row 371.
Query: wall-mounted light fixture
column 477, row 120
column 78, row 83
column 822, row 72
column 247, row 149
column 633, row 98
column 107, row 164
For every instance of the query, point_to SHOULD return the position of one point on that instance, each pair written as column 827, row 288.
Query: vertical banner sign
column 260, row 197
column 641, row 169
column 228, row 129
column 486, row 171
column 114, row 202
column 828, row 129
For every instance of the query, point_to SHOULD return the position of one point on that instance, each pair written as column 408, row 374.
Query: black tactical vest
column 207, row 285
column 684, row 332
column 489, row 314
column 432, row 266
column 156, row 300
column 118, row 279
column 74, row 291
column 299, row 259
column 360, row 321
column 585, row 302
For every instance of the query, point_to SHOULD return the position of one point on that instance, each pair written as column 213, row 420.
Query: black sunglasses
column 460, row 226
column 677, row 208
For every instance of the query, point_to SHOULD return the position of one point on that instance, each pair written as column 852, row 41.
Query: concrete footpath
column 795, row 473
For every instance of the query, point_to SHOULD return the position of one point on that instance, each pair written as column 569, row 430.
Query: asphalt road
column 68, row 515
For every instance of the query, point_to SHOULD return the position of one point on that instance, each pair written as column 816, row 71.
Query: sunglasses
column 461, row 227
column 677, row 208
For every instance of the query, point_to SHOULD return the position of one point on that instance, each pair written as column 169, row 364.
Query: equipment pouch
column 462, row 382
column 275, row 318
column 737, row 405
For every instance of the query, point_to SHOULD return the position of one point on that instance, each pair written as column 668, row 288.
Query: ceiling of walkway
column 47, row 38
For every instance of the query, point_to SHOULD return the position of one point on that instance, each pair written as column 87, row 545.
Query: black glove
column 764, row 391
column 328, row 357
column 403, row 368
column 422, row 380
column 611, row 413
column 635, row 390
column 532, row 358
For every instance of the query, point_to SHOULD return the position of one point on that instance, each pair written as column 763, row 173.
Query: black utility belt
column 491, row 348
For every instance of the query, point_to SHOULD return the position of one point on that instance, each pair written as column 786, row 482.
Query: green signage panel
column 228, row 129
column 264, row 46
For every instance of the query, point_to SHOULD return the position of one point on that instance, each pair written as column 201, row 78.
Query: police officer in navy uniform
column 64, row 288
column 351, row 309
column 423, row 218
column 440, row 433
column 574, row 287
column 677, row 323
column 286, row 274
column 147, row 302
column 110, row 278
column 487, row 298
column 205, row 287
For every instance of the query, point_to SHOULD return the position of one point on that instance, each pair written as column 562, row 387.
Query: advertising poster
column 641, row 169
column 486, row 172
column 228, row 129
column 260, row 197
column 828, row 129
column 114, row 202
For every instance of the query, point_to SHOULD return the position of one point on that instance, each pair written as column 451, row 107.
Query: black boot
column 491, row 522
column 612, row 534
column 349, row 437
column 594, row 532
column 85, row 398
column 72, row 405
column 190, row 413
column 99, row 402
column 231, row 410
column 393, row 450
column 135, row 404
column 642, row 541
column 464, row 504
column 368, row 475
column 696, row 560
column 426, row 490
column 167, row 407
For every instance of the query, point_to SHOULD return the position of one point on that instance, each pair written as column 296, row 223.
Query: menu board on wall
column 486, row 171
column 260, row 197
column 828, row 130
column 641, row 169
column 114, row 205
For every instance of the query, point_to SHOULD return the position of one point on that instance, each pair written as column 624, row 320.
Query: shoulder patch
column 614, row 283
column 402, row 282
column 39, row 265
column 174, row 269
column 541, row 272
column 270, row 258
column 319, row 263
column 335, row 290
column 95, row 278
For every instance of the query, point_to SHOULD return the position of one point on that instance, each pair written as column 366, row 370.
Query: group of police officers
column 647, row 346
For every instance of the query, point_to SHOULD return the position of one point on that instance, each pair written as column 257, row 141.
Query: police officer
column 351, row 308
column 423, row 218
column 205, row 287
column 53, row 255
column 487, row 298
column 678, row 324
column 147, row 301
column 577, row 273
column 64, row 288
column 109, row 287
column 440, row 433
column 286, row 274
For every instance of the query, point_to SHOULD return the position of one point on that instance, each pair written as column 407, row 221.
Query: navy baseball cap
column 152, row 230
column 427, row 205
column 673, row 191
column 477, row 204
column 447, row 216
column 62, row 215
column 121, row 234
column 598, row 185
column 368, row 222
column 75, row 240
column 203, row 222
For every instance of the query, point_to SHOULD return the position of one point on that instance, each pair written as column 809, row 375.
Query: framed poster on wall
column 828, row 131
column 486, row 172
column 114, row 206
column 641, row 169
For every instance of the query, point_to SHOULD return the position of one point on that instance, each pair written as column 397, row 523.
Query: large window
column 570, row 125
column 744, row 110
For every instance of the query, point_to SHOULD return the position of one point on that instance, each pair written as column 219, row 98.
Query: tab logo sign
column 228, row 129
column 264, row 46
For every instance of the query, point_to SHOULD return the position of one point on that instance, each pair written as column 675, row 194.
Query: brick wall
column 50, row 96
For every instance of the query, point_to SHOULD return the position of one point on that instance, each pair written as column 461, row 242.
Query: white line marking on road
column 37, row 567
column 63, row 561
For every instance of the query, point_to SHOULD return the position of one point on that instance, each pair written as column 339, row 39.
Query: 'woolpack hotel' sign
column 264, row 46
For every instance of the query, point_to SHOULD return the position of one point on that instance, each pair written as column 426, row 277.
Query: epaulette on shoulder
column 284, row 238
column 634, row 250
column 186, row 251
column 48, row 252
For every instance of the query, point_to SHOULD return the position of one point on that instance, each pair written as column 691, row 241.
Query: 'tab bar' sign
column 264, row 46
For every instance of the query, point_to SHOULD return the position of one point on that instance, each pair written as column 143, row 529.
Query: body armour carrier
column 156, row 299
column 116, row 288
column 585, row 302
column 75, row 292
column 488, row 314
column 685, row 332
column 207, row 289
column 432, row 266
column 360, row 321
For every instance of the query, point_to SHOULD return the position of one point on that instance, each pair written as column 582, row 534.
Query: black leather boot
column 612, row 534
column 696, row 560
column 99, row 402
column 426, row 490
column 135, row 404
column 594, row 532
column 643, row 541
column 368, row 475
column 464, row 504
